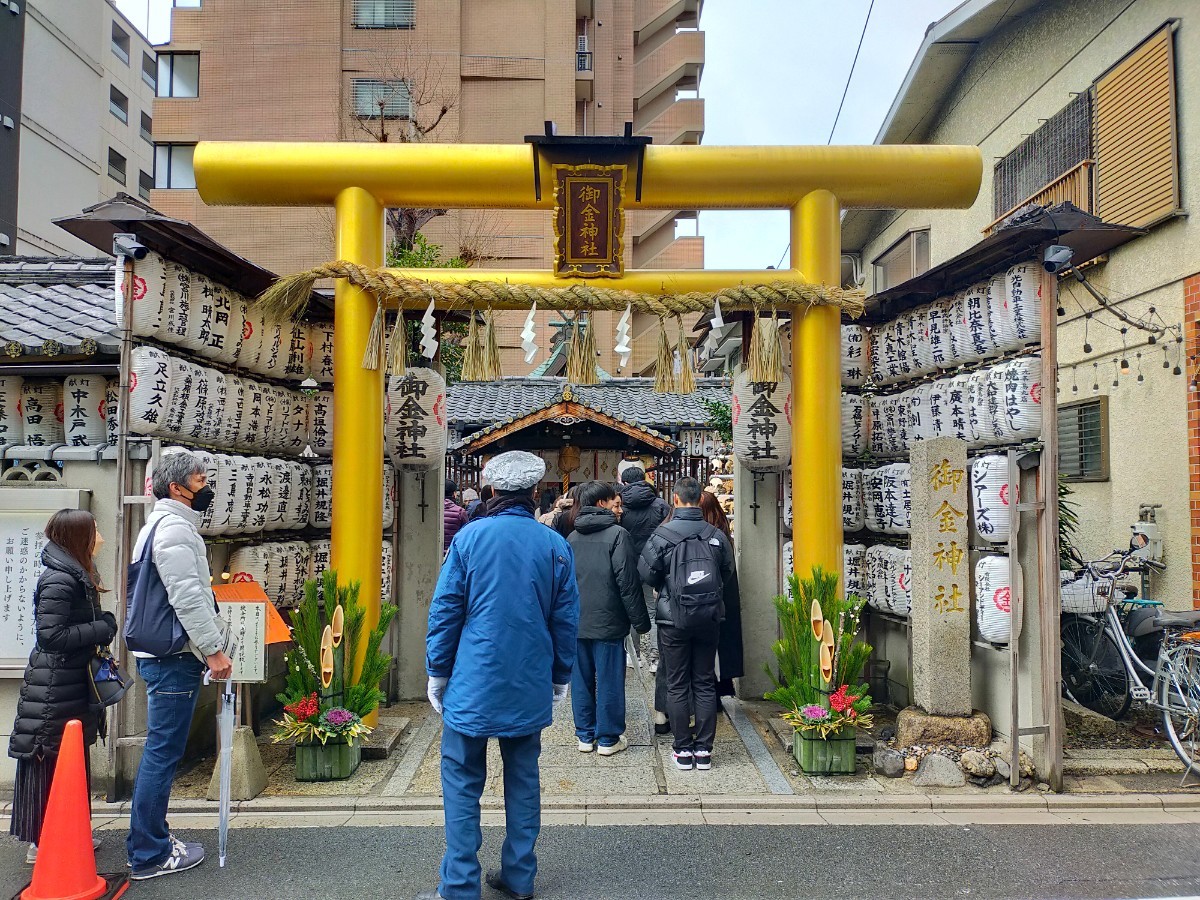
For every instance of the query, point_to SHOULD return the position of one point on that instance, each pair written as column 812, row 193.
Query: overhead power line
column 850, row 77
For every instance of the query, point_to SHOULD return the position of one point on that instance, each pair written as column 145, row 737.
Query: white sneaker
column 182, row 858
column 703, row 759
column 586, row 746
column 31, row 855
column 612, row 749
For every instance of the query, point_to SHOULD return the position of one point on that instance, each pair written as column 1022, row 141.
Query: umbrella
column 631, row 649
column 226, row 711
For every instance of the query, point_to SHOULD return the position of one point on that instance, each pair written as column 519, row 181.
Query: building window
column 905, row 259
column 1137, row 161
column 1083, row 440
column 116, row 166
column 147, row 128
column 178, row 75
column 1059, row 145
column 384, row 13
column 150, row 71
column 118, row 104
column 374, row 98
column 173, row 166
column 120, row 43
column 145, row 185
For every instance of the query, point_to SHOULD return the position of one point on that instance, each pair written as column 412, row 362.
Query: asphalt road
column 697, row 862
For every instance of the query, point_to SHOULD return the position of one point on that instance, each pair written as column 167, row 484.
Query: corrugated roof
column 472, row 404
column 53, row 307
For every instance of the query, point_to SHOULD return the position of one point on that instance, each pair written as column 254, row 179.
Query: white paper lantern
column 975, row 307
column 884, row 350
column 112, row 421
column 1022, row 398
column 299, row 351
column 232, row 434
column 901, row 571
column 228, row 326
column 194, row 423
column 253, row 418
column 854, row 355
column 301, row 494
column 877, row 431
column 415, row 420
column 281, row 495
column 979, row 417
column 300, row 561
column 990, row 495
column 322, row 496
column 787, row 561
column 320, row 558
column 12, row 419
column 85, row 417
column 854, row 425
column 922, row 348
column 296, row 426
column 1001, row 324
column 786, row 505
column 762, row 423
column 993, row 599
column 320, row 422
column 903, row 403
column 386, row 572
column 922, row 425
column 957, row 399
column 941, row 340
column 178, row 406
column 1023, row 282
column 149, row 288
column 42, row 406
column 241, row 488
column 853, row 510
column 273, row 352
column 854, row 562
column 208, row 519
column 874, row 512
column 321, row 367
column 201, row 316
column 261, row 481
column 876, row 566
column 252, row 563
column 253, row 332
column 960, row 329
column 224, row 494
column 218, row 403
column 902, row 334
column 990, row 387
column 177, row 312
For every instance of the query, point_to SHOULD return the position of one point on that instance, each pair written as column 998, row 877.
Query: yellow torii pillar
column 814, row 183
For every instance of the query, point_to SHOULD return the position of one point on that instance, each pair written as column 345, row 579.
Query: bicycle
column 1101, row 669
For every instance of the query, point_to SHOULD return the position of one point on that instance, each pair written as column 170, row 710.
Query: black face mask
column 203, row 498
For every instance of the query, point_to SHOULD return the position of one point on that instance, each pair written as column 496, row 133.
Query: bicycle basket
column 1084, row 596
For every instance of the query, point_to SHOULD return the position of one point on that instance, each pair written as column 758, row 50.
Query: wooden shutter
column 1137, row 168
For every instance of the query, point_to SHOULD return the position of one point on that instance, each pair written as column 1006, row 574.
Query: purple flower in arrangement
column 815, row 713
column 337, row 717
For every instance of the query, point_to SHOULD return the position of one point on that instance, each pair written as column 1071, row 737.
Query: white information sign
column 247, row 620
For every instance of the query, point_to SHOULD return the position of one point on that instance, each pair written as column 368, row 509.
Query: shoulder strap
column 148, row 547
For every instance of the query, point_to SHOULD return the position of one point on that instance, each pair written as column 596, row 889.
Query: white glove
column 560, row 693
column 435, row 690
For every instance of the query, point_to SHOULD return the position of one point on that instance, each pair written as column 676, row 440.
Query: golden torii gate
column 814, row 184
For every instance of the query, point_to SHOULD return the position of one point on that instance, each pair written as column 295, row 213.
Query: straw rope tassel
column 289, row 297
column 373, row 354
column 470, row 357
column 664, row 368
column 686, row 383
column 398, row 348
column 491, row 349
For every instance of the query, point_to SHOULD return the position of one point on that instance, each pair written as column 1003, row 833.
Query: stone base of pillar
column 914, row 726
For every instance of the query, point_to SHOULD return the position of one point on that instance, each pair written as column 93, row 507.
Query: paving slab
column 786, row 817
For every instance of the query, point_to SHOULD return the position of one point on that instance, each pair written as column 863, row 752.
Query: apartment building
column 1092, row 102
column 76, row 95
column 470, row 71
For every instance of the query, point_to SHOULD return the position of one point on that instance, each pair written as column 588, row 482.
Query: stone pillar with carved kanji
column 941, row 603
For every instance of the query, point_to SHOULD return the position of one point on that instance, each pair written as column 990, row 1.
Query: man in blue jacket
column 499, row 654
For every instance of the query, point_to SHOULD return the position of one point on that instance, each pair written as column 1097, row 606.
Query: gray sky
column 774, row 73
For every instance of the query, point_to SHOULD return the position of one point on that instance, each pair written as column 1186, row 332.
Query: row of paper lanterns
column 988, row 319
column 175, row 305
column 282, row 567
column 1001, row 404
column 255, row 494
column 79, row 411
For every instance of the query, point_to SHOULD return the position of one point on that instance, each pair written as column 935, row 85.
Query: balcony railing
column 583, row 61
column 1074, row 186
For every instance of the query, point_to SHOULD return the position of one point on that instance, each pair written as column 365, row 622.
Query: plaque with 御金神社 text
column 589, row 222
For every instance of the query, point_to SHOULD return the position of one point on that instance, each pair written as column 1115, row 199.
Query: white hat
column 514, row 471
column 470, row 495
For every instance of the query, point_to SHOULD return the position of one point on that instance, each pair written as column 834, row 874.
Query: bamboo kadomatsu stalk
column 326, row 666
column 339, row 656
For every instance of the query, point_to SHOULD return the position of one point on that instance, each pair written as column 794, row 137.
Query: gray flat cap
column 514, row 471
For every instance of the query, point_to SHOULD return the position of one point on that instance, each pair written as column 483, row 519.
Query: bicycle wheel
column 1179, row 697
column 1092, row 669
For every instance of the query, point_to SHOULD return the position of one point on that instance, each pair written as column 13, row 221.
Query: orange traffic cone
column 66, row 863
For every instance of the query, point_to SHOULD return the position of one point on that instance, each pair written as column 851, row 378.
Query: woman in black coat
column 610, row 602
column 70, row 626
column 730, row 664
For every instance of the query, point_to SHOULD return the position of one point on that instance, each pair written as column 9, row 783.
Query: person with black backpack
column 689, row 561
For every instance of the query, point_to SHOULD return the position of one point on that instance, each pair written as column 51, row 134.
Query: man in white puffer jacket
column 180, row 484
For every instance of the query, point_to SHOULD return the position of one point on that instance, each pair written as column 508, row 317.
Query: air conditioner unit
column 9, row 123
column 4, row 240
column 581, row 42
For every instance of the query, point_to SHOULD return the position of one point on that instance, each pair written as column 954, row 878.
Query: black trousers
column 690, row 659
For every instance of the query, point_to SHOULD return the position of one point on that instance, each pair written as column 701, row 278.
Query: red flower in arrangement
column 305, row 709
column 840, row 700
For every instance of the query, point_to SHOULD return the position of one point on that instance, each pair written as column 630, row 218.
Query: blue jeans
column 598, row 691
column 464, row 771
column 172, row 688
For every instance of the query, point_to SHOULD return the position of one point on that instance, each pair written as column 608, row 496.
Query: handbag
column 109, row 683
column 151, row 625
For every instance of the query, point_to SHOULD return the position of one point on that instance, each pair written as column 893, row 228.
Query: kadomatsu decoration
column 820, row 658
column 328, row 693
